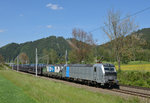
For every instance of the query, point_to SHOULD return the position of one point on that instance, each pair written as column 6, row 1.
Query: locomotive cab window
column 109, row 69
column 112, row 69
column 106, row 69
column 94, row 69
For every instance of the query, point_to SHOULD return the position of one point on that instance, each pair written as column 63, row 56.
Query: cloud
column 1, row 30
column 49, row 26
column 54, row 6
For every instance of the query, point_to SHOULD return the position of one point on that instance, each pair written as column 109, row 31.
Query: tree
column 73, row 58
column 1, row 59
column 53, row 56
column 117, row 30
column 105, row 52
column 82, row 45
column 134, row 44
column 24, row 59
column 45, row 58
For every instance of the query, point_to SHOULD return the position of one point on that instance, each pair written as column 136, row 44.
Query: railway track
column 144, row 95
column 133, row 93
column 136, row 87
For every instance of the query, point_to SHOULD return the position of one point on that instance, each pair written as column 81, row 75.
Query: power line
column 95, row 29
column 138, row 12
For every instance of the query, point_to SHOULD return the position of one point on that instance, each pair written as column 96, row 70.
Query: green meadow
column 16, row 87
column 10, row 93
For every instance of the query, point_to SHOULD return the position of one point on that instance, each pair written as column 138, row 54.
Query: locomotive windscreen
column 108, row 65
column 109, row 68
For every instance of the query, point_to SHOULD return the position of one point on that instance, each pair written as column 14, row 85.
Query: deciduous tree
column 117, row 29
column 23, row 58
column 82, row 46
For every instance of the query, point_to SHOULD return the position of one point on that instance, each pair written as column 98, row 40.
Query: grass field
column 9, row 93
column 135, row 67
column 22, row 86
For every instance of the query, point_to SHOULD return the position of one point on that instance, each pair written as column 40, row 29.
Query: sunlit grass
column 10, row 93
column 47, row 91
column 135, row 67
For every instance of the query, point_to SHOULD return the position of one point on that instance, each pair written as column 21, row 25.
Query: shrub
column 135, row 78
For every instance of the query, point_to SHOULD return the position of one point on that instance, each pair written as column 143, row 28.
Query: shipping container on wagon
column 54, row 70
column 50, row 68
column 57, row 68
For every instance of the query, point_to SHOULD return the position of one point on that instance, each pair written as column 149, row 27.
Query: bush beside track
column 134, row 78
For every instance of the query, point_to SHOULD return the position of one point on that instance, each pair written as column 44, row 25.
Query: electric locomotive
column 101, row 74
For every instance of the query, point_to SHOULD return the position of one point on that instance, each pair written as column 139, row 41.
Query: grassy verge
column 135, row 78
column 1, row 67
column 46, row 91
column 9, row 93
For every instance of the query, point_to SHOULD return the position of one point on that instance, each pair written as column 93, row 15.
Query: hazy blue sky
column 28, row 20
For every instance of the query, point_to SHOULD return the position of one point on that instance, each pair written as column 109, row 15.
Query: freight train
column 102, row 74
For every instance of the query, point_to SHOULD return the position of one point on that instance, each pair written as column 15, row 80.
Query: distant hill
column 59, row 44
column 146, row 33
column 145, row 36
column 10, row 51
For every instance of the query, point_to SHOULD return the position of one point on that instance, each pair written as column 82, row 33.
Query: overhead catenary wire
column 138, row 12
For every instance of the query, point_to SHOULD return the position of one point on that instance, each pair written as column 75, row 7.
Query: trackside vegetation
column 136, row 73
column 47, row 91
column 134, row 78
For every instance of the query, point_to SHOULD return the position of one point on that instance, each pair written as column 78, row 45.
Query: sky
column 29, row 20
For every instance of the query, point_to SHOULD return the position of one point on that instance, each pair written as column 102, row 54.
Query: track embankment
column 124, row 91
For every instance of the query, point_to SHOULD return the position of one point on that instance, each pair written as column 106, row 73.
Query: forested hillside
column 58, row 45
column 146, row 33
column 146, row 36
